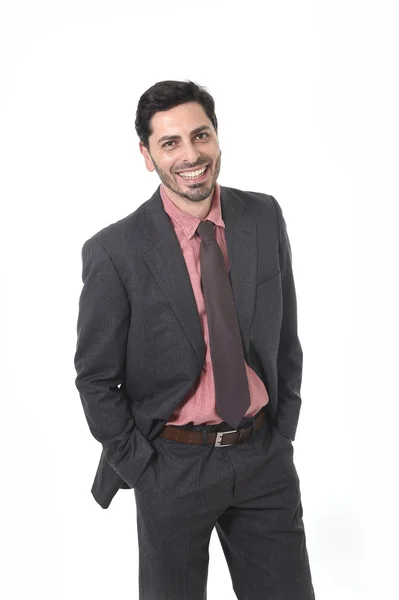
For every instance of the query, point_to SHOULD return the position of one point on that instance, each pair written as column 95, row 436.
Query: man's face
column 184, row 140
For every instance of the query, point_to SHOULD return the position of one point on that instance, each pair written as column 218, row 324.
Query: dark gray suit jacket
column 140, row 347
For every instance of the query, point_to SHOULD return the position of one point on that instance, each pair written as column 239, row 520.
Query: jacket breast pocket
column 263, row 280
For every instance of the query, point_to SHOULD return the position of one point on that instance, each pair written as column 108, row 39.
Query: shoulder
column 252, row 198
column 116, row 234
column 257, row 202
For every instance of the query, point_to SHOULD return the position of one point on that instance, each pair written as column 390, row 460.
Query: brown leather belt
column 216, row 438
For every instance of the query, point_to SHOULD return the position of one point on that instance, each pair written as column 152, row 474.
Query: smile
column 194, row 175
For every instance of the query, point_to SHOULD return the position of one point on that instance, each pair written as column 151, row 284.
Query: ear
column 147, row 157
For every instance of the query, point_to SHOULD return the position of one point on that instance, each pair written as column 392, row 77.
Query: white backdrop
column 307, row 101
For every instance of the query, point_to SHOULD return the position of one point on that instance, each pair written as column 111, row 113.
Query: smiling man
column 189, row 366
column 185, row 155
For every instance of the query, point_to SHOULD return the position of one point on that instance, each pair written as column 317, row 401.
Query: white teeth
column 193, row 174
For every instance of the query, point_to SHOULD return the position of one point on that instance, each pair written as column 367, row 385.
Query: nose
column 189, row 155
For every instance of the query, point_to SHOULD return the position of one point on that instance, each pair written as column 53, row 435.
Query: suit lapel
column 167, row 265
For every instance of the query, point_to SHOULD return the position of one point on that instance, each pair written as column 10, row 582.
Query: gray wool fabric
column 140, row 346
column 140, row 350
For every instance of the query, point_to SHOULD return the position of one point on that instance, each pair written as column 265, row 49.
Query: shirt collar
column 187, row 222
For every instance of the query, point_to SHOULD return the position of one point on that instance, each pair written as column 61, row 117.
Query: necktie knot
column 206, row 230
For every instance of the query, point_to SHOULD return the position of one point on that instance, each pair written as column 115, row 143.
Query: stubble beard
column 197, row 192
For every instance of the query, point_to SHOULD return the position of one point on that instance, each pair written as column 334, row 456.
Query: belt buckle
column 219, row 436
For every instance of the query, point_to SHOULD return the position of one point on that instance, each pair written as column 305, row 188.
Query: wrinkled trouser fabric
column 250, row 492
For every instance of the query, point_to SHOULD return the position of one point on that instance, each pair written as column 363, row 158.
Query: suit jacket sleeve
column 290, row 356
column 103, row 323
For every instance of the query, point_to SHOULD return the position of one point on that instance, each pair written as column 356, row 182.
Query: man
column 187, row 328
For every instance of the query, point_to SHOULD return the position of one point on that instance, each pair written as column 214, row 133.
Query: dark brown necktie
column 228, row 362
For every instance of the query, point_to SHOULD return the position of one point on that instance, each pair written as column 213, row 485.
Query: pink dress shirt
column 199, row 406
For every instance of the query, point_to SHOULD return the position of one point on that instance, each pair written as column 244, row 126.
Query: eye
column 205, row 134
column 169, row 142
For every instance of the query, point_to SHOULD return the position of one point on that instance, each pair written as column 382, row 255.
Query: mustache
column 202, row 164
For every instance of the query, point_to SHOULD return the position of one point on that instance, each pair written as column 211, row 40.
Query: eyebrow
column 178, row 137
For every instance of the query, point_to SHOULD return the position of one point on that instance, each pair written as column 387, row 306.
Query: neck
column 199, row 209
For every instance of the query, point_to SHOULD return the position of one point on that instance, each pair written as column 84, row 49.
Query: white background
column 307, row 101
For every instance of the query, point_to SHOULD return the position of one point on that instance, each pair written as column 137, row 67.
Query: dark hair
column 167, row 94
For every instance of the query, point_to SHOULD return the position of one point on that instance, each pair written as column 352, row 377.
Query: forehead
column 179, row 119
